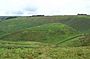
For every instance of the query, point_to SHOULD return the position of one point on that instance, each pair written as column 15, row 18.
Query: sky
column 43, row 7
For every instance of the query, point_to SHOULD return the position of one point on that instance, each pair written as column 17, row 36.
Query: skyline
column 43, row 7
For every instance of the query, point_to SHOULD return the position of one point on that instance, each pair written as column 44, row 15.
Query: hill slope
column 80, row 23
column 49, row 37
column 81, row 40
column 49, row 33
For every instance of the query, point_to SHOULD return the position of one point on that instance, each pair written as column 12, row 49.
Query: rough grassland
column 46, row 53
column 47, row 37
column 80, row 23
column 48, row 33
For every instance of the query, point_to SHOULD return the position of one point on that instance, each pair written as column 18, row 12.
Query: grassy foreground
column 46, row 53
column 37, row 50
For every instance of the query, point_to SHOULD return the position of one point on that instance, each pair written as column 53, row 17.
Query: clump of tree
column 37, row 15
column 81, row 14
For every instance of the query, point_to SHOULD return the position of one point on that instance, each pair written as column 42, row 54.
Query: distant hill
column 80, row 23
column 7, row 17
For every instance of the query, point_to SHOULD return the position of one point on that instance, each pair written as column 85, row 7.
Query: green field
column 45, row 37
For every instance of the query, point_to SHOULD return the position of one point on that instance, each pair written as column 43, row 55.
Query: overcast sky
column 46, row 7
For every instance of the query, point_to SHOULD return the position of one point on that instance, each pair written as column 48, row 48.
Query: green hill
column 49, row 33
column 80, row 23
column 45, row 28
column 47, row 37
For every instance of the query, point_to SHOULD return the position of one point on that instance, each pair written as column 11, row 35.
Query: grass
column 38, row 50
column 48, row 33
column 48, row 37
column 80, row 23
column 77, row 41
column 46, row 53
column 22, row 44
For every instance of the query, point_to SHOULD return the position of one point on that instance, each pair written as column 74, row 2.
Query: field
column 45, row 37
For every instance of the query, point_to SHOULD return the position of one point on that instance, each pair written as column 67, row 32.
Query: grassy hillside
column 47, row 37
column 54, row 33
column 45, row 53
column 37, row 50
column 22, row 44
column 76, row 41
column 80, row 23
column 45, row 28
column 51, row 33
